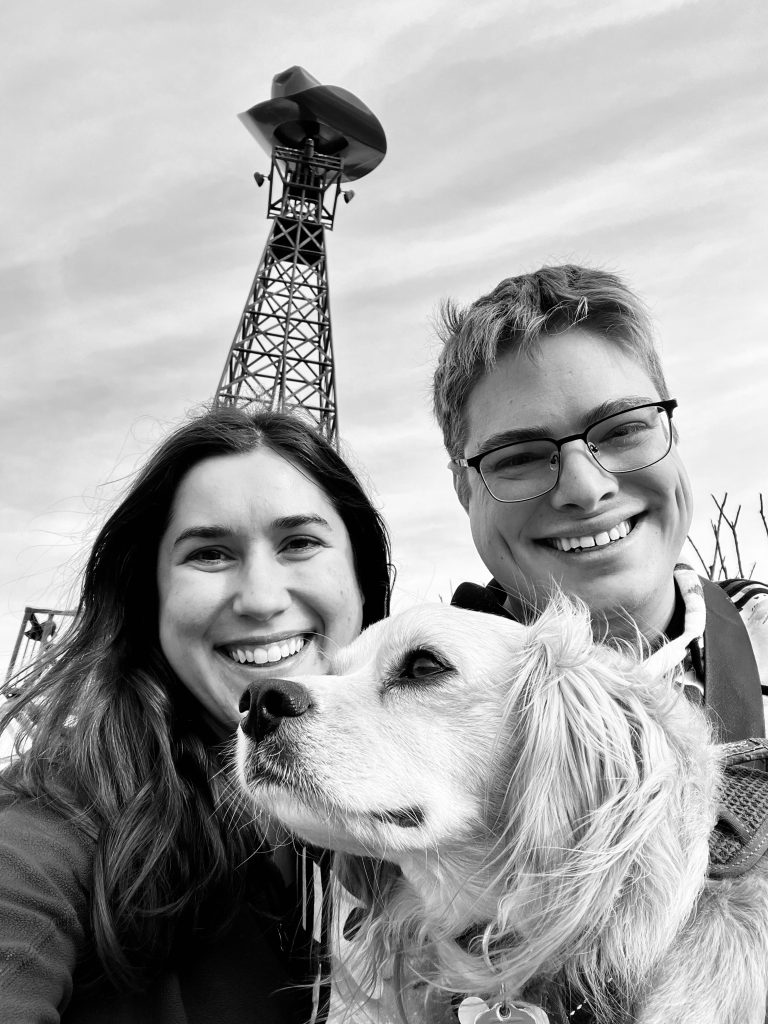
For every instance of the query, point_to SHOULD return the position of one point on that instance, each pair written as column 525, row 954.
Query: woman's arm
column 45, row 870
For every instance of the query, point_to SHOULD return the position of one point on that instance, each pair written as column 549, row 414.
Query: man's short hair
column 516, row 314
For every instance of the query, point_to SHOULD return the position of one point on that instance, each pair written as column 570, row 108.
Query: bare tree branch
column 704, row 565
column 722, row 573
column 732, row 526
column 725, row 531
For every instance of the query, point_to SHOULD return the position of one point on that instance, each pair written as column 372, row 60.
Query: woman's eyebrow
column 211, row 532
column 298, row 520
column 215, row 531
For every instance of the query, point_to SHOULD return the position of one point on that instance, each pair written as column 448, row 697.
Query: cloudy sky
column 628, row 134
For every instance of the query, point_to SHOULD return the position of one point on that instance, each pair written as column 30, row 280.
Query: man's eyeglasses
column 622, row 443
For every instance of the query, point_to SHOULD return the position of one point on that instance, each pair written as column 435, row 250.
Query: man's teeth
column 260, row 655
column 599, row 540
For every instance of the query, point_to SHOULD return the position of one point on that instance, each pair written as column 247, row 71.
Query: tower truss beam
column 282, row 354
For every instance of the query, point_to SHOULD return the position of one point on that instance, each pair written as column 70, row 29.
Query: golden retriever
column 539, row 811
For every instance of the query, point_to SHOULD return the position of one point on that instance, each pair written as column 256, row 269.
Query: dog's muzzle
column 267, row 702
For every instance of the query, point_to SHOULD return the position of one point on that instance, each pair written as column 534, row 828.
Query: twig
column 699, row 556
column 718, row 550
column 732, row 524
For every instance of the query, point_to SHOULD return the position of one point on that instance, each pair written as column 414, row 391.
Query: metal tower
column 39, row 628
column 282, row 354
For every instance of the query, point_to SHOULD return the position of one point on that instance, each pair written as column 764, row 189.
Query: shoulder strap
column 740, row 836
column 731, row 680
column 475, row 598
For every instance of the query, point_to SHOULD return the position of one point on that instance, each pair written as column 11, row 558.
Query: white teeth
column 599, row 540
column 260, row 655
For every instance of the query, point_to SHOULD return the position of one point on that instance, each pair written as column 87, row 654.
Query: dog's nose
column 266, row 703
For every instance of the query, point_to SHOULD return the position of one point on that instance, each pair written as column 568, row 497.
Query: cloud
column 629, row 135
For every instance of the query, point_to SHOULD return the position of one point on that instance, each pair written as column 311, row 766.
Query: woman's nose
column 262, row 590
column 582, row 482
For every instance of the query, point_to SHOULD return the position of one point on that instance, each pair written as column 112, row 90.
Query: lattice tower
column 39, row 628
column 282, row 353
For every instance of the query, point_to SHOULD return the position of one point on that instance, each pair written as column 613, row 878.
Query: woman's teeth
column 598, row 540
column 259, row 654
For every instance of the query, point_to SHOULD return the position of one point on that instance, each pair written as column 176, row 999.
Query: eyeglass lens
column 630, row 440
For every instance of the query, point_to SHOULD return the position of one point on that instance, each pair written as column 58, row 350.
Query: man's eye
column 421, row 664
column 625, row 432
column 519, row 460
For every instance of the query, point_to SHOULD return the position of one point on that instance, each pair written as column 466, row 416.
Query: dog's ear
column 591, row 803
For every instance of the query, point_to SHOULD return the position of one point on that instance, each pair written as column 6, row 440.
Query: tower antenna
column 318, row 136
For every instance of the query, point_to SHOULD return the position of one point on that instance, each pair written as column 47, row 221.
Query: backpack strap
column 740, row 836
column 732, row 690
column 475, row 598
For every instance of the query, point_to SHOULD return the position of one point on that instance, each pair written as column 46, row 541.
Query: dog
column 538, row 807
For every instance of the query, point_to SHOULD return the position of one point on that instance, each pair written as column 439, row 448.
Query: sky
column 630, row 135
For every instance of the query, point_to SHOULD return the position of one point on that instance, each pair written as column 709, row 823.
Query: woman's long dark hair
column 108, row 734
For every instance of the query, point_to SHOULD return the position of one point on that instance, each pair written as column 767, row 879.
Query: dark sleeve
column 45, row 867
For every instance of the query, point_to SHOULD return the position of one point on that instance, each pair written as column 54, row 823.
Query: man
column 558, row 420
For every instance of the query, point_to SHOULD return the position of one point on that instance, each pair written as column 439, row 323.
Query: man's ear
column 460, row 484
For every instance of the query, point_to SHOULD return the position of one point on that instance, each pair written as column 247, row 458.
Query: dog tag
column 513, row 1013
column 470, row 1008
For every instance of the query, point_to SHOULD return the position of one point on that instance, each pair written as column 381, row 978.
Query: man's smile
column 596, row 539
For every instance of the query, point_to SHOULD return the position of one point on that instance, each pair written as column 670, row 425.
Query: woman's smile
column 263, row 652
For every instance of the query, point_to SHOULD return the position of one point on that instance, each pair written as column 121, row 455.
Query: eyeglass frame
column 667, row 404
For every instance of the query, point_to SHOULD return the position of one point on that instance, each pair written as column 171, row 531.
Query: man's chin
column 618, row 595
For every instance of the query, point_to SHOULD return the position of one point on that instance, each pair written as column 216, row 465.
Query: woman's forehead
column 257, row 485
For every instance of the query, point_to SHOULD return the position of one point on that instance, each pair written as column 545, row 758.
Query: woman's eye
column 210, row 556
column 301, row 545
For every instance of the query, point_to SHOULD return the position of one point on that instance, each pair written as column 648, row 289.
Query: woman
column 132, row 887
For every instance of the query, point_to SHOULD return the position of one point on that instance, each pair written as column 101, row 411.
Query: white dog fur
column 532, row 792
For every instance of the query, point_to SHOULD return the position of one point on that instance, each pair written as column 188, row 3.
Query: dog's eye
column 421, row 665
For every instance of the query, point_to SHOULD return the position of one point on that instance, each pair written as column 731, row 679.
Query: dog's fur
column 536, row 796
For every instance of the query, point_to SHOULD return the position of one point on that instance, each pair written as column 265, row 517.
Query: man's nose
column 267, row 702
column 262, row 590
column 582, row 482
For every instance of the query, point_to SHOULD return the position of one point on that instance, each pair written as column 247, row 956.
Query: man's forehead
column 563, row 387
